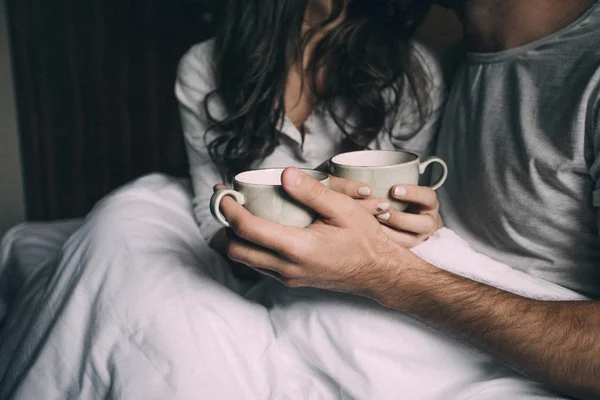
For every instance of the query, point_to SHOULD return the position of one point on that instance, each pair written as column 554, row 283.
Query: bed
column 131, row 303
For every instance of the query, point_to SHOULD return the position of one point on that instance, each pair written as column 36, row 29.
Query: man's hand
column 353, row 189
column 219, row 244
column 346, row 250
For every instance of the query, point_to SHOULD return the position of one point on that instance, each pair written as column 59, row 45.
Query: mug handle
column 215, row 203
column 423, row 166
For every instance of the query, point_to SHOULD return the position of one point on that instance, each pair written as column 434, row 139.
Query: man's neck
column 496, row 25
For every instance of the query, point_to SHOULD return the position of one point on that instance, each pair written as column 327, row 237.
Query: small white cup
column 261, row 193
column 382, row 169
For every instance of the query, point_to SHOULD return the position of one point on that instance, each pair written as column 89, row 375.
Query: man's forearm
column 556, row 343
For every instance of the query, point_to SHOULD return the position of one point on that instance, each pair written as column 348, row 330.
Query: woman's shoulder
column 197, row 63
column 431, row 64
column 434, row 83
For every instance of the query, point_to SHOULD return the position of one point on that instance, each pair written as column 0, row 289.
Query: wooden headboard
column 94, row 82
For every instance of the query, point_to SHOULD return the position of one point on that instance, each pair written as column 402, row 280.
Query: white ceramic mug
column 382, row 169
column 261, row 193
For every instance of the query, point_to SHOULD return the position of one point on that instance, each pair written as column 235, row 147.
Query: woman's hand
column 409, row 228
column 414, row 225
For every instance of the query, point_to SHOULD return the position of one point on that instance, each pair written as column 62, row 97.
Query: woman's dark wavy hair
column 368, row 61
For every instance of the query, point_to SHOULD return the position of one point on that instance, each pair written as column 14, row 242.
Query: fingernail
column 295, row 177
column 364, row 191
column 399, row 191
column 384, row 217
column 383, row 207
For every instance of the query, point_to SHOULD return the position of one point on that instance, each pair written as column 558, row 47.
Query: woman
column 294, row 82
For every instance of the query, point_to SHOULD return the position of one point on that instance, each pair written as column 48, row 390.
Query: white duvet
column 136, row 306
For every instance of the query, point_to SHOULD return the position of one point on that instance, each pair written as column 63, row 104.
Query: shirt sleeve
column 195, row 80
column 410, row 132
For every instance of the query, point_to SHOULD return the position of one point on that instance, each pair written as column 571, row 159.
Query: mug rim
column 325, row 176
column 416, row 159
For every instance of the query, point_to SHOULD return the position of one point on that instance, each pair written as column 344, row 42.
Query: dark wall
column 94, row 83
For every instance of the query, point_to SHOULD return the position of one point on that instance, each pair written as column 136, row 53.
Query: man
column 521, row 136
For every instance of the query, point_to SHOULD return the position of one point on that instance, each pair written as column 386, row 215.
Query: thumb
column 316, row 196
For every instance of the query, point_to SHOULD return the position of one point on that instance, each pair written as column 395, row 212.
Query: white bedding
column 134, row 305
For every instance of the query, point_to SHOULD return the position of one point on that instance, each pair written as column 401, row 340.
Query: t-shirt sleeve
column 195, row 80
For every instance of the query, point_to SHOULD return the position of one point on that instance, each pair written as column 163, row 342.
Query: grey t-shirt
column 521, row 136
